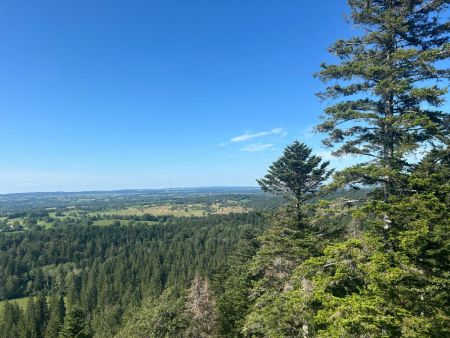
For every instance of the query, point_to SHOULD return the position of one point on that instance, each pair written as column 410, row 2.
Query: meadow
column 109, row 216
column 177, row 210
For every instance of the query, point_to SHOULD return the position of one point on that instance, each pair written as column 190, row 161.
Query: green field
column 184, row 210
column 123, row 214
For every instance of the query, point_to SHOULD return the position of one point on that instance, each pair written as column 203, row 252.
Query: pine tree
column 106, row 321
column 30, row 319
column 56, row 317
column 41, row 315
column 39, row 281
column 75, row 325
column 282, row 247
column 73, row 285
column 234, row 302
column 296, row 176
column 157, row 317
column 2, row 287
column 388, row 85
column 12, row 318
column 381, row 283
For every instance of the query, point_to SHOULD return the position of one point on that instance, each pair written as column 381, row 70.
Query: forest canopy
column 359, row 252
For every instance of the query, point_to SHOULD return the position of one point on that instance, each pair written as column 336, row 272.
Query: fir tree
column 296, row 176
column 41, row 314
column 30, row 319
column 157, row 317
column 234, row 302
column 388, row 83
column 56, row 317
column 75, row 325
column 11, row 320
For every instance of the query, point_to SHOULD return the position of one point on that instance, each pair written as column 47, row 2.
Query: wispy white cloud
column 306, row 133
column 326, row 155
column 249, row 136
column 257, row 147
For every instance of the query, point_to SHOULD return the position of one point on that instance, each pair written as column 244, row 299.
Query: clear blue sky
column 147, row 94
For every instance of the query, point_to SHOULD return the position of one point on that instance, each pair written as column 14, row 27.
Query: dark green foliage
column 389, row 282
column 157, row 317
column 73, row 288
column 105, row 320
column 297, row 175
column 191, row 313
column 283, row 247
column 107, row 270
column 388, row 86
column 75, row 325
column 41, row 314
column 31, row 326
column 384, row 273
column 368, row 265
column 56, row 317
column 11, row 324
column 377, row 267
column 234, row 302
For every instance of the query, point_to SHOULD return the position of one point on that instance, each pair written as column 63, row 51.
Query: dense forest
column 323, row 264
column 104, row 271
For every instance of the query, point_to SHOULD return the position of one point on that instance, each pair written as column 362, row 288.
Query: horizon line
column 128, row 189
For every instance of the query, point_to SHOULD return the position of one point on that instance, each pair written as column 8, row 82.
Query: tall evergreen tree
column 56, row 317
column 75, row 325
column 41, row 314
column 387, row 86
column 11, row 319
column 30, row 319
column 2, row 285
column 157, row 317
column 296, row 176
column 73, row 285
column 234, row 302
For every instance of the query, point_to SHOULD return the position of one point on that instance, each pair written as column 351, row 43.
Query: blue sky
column 148, row 94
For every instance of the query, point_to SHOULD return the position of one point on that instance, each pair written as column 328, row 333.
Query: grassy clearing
column 45, row 224
column 12, row 220
column 175, row 210
column 22, row 302
column 106, row 222
column 103, row 222
column 64, row 214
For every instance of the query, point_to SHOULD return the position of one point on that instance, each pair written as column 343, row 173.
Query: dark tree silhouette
column 296, row 176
